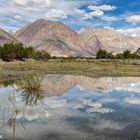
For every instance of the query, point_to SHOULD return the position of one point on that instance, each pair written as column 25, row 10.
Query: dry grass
column 93, row 68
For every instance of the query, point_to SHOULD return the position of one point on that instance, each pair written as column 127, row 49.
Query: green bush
column 119, row 56
column 10, row 52
column 126, row 54
column 102, row 54
column 7, row 52
column 41, row 55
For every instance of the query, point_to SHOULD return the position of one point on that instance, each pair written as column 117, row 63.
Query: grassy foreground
column 88, row 67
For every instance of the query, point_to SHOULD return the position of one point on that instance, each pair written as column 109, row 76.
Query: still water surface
column 77, row 114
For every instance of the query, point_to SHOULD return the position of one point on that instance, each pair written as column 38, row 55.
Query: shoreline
column 64, row 83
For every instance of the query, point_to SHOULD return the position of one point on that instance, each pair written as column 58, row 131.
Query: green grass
column 88, row 67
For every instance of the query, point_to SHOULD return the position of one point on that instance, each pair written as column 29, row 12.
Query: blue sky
column 120, row 15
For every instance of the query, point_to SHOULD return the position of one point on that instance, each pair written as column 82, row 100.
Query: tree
column 41, row 55
column 20, row 52
column 10, row 52
column 109, row 56
column 127, row 54
column 119, row 56
column 102, row 54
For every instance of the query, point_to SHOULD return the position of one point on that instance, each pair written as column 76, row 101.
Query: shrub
column 119, row 56
column 126, row 54
column 10, row 52
column 41, row 55
column 102, row 54
column 31, row 89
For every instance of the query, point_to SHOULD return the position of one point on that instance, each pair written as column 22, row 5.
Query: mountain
column 138, row 51
column 111, row 41
column 6, row 37
column 59, row 40
column 53, row 37
column 64, row 83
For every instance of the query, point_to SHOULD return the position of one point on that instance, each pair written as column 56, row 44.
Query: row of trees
column 102, row 54
column 10, row 52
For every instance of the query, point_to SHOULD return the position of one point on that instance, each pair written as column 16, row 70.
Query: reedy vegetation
column 31, row 89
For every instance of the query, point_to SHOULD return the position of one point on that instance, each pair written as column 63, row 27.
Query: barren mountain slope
column 6, row 37
column 138, row 51
column 109, row 40
column 53, row 37
column 59, row 40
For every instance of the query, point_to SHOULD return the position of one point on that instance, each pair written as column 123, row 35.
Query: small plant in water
column 31, row 93
column 31, row 89
column 16, row 111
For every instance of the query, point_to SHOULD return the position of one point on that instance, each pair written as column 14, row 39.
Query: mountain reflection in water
column 72, row 107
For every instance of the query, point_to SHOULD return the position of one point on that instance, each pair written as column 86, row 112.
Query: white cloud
column 55, row 13
column 132, row 100
column 32, row 3
column 131, row 87
column 90, row 103
column 100, row 110
column 90, row 15
column 130, row 31
column 102, row 7
column 32, row 113
column 18, row 17
column 103, row 124
column 93, row 106
column 80, row 12
column 53, row 104
column 28, row 11
column 108, row 100
column 109, row 28
column 109, row 18
column 134, row 19
column 31, row 10
column 79, row 106
column 133, row 32
column 98, row 11
column 20, row 2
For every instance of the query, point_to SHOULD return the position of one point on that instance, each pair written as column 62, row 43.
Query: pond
column 73, row 108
